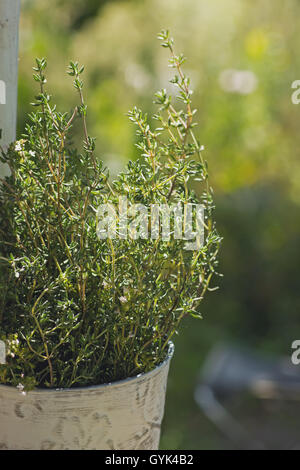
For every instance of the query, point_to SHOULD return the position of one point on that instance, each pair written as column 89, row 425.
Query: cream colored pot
column 123, row 415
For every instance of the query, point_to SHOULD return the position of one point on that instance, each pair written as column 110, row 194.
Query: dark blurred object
column 84, row 10
column 254, row 401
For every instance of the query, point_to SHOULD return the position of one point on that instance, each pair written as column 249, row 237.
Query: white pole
column 9, row 33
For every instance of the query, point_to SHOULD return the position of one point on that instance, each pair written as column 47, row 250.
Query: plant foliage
column 76, row 310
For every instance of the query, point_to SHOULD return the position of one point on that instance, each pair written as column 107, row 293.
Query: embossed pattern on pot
column 125, row 415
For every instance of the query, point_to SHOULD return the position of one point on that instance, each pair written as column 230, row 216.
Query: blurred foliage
column 250, row 137
column 248, row 125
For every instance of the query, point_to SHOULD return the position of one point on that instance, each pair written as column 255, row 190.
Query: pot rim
column 117, row 383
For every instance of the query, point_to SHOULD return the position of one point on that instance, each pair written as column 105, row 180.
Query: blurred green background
column 243, row 56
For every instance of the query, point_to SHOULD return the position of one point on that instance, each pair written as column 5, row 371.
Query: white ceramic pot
column 123, row 415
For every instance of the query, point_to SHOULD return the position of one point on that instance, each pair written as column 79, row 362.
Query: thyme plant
column 75, row 309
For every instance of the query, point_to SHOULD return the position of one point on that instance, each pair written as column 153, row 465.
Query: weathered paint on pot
column 123, row 415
